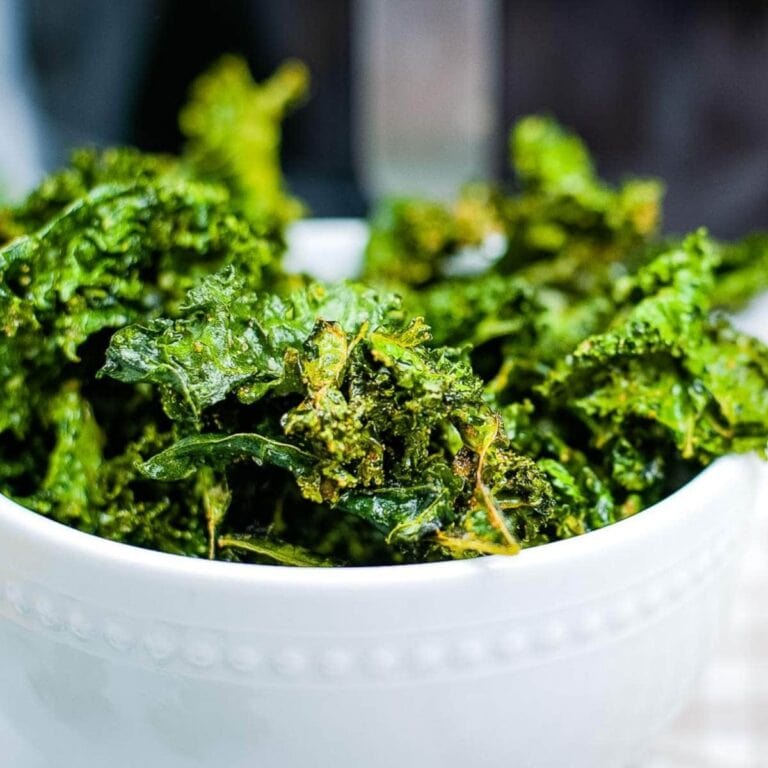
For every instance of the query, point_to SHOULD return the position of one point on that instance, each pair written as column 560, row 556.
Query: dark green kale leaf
column 347, row 397
column 189, row 454
column 230, row 340
column 116, row 255
column 667, row 369
column 170, row 517
column 586, row 498
column 107, row 496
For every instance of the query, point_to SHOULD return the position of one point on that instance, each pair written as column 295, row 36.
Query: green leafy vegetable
column 116, row 237
column 346, row 396
column 667, row 380
column 233, row 127
column 742, row 271
column 520, row 366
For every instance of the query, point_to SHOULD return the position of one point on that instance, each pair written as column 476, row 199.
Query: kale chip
column 519, row 366
column 334, row 386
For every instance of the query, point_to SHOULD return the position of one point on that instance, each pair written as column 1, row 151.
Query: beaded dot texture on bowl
column 336, row 660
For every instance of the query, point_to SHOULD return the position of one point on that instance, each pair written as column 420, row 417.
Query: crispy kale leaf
column 547, row 255
column 233, row 128
column 119, row 236
column 70, row 486
column 87, row 169
column 341, row 392
column 566, row 226
column 413, row 241
column 662, row 388
column 668, row 370
column 164, row 384
column 561, row 227
column 742, row 271
column 596, row 338
column 229, row 340
column 117, row 254
column 154, row 515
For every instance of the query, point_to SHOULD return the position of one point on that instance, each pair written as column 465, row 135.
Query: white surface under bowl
column 572, row 654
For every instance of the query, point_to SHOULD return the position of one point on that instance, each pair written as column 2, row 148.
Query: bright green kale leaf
column 503, row 320
column 409, row 241
column 119, row 252
column 412, row 241
column 87, row 169
column 546, row 157
column 742, row 271
column 563, row 227
column 107, row 496
column 566, row 227
column 569, row 236
column 479, row 309
column 69, row 491
column 233, row 127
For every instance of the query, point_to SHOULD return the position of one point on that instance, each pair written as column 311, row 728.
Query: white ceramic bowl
column 572, row 654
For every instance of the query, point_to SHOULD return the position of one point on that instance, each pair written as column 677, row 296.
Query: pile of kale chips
column 165, row 383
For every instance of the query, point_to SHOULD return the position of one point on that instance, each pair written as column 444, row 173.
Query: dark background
column 673, row 89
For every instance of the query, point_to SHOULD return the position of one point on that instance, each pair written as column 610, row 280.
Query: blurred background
column 412, row 96
column 416, row 97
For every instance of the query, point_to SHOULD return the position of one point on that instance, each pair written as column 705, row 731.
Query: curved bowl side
column 572, row 653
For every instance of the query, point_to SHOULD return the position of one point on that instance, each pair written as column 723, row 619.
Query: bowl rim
column 673, row 511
